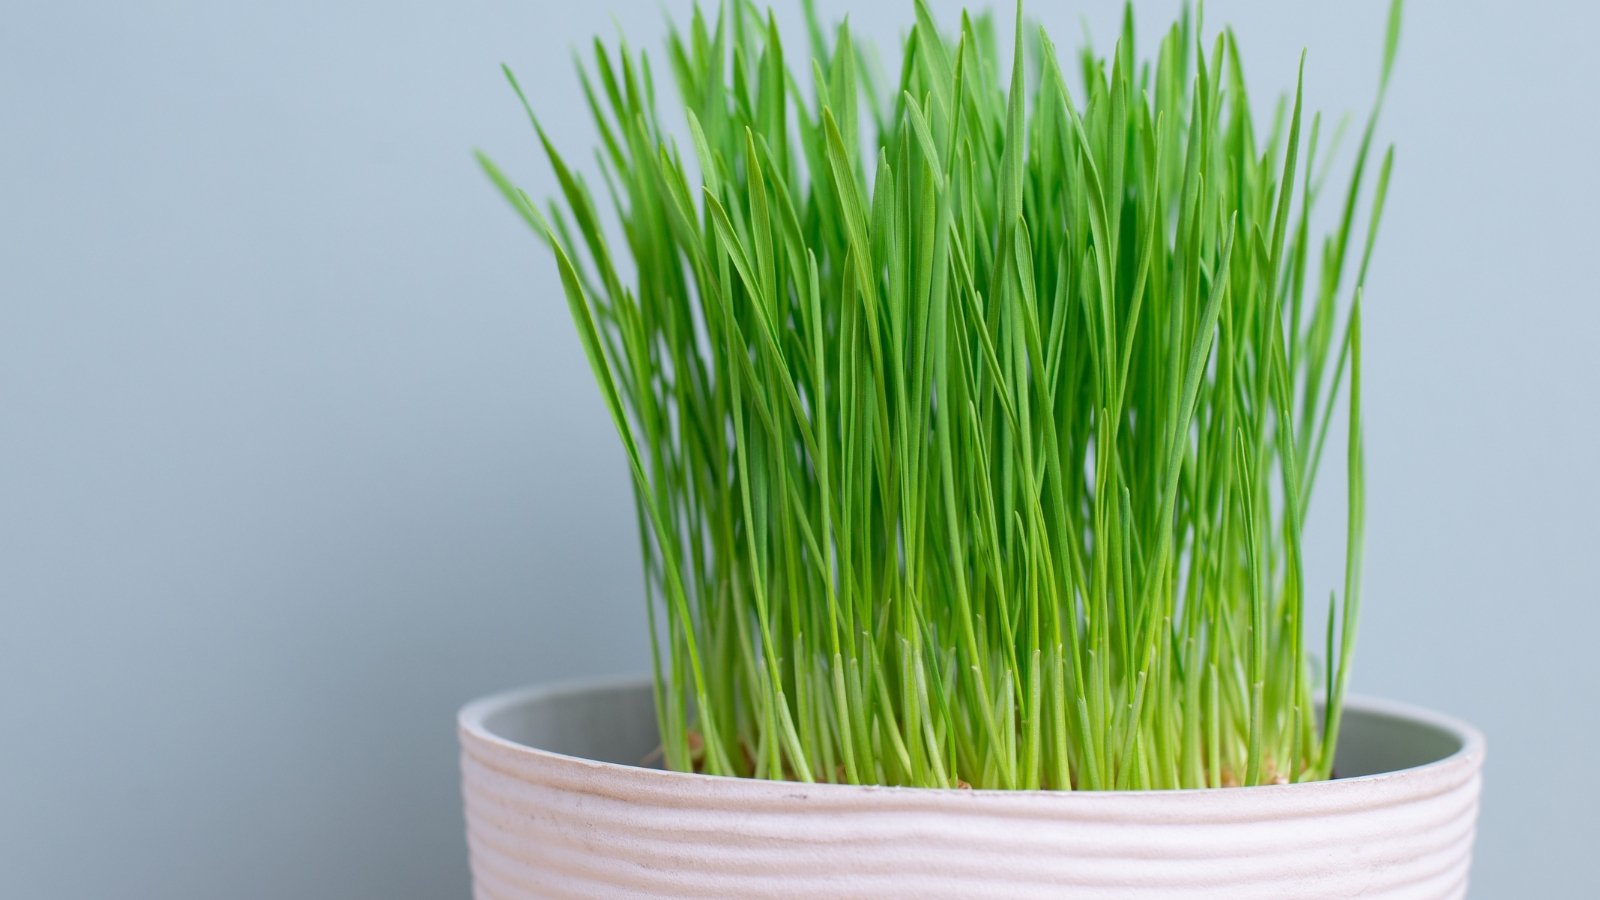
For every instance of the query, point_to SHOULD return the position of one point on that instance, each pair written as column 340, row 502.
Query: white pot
column 559, row 803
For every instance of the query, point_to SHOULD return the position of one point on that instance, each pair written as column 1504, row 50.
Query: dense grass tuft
column 973, row 423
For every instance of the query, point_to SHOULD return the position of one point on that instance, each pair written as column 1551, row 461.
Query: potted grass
column 973, row 421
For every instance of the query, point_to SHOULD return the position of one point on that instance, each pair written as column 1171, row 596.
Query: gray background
column 298, row 451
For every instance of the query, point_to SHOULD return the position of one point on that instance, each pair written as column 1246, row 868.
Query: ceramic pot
column 561, row 803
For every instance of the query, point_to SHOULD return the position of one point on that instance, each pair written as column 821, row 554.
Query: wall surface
column 298, row 451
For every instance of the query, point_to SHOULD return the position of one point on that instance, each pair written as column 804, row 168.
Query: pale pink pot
column 553, row 810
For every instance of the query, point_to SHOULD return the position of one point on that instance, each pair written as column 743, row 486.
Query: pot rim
column 472, row 718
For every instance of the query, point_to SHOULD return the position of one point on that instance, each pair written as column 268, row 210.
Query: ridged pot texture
column 560, row 803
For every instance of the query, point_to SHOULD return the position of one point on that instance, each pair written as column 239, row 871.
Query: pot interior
column 608, row 722
column 615, row 723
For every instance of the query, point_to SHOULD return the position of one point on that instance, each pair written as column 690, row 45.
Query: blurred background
column 298, row 451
